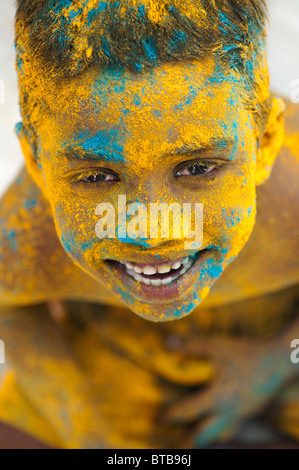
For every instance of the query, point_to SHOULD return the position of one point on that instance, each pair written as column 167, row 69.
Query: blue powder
column 150, row 50
column 10, row 236
column 29, row 204
column 107, row 141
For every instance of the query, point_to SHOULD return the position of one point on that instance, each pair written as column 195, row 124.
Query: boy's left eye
column 195, row 169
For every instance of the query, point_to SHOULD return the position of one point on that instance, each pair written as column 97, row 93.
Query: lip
column 164, row 293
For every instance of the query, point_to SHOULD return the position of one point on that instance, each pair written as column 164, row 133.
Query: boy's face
column 116, row 134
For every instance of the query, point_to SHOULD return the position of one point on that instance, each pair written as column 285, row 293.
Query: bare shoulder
column 33, row 265
column 269, row 262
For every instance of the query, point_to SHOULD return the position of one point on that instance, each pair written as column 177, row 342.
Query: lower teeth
column 160, row 282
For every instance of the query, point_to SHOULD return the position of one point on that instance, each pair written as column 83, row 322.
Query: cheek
column 75, row 222
column 230, row 211
column 74, row 216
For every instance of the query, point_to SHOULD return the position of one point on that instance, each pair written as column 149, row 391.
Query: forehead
column 161, row 107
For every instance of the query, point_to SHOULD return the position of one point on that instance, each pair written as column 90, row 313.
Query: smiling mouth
column 158, row 275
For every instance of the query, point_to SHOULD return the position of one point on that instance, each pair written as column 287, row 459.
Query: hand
column 249, row 374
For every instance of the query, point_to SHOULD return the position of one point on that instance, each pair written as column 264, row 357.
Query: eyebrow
column 81, row 154
column 192, row 149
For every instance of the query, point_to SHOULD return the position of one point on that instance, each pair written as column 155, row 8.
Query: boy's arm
column 27, row 243
column 250, row 373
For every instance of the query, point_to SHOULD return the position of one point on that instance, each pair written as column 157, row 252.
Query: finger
column 216, row 428
column 188, row 409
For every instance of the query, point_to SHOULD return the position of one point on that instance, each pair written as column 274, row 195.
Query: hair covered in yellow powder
column 57, row 40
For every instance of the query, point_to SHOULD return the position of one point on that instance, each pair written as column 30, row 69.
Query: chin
column 165, row 311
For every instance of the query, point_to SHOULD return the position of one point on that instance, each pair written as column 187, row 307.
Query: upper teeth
column 149, row 270
column 163, row 269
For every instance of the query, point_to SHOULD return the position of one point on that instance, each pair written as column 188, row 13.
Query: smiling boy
column 160, row 102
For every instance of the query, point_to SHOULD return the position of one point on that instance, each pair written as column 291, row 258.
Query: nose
column 151, row 231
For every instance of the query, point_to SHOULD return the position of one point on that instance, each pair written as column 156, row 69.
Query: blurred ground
column 283, row 53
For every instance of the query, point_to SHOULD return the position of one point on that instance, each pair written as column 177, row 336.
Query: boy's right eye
column 96, row 177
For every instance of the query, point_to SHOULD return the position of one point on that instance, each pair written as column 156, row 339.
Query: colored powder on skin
column 30, row 203
column 104, row 140
column 10, row 236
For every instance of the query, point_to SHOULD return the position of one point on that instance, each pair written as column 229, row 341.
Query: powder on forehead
column 94, row 100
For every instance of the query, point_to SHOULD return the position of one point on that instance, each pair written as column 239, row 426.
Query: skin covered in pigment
column 147, row 116
column 75, row 223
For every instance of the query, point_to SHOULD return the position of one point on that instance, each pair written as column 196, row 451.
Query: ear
column 271, row 142
column 32, row 163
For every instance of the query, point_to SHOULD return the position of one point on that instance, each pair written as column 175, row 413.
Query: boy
column 160, row 102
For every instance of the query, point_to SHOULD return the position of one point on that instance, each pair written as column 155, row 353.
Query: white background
column 283, row 53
